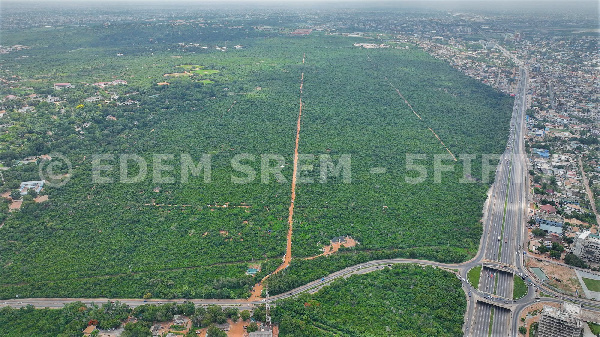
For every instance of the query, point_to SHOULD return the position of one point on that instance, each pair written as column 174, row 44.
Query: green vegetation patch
column 197, row 69
column 473, row 276
column 591, row 284
column 196, row 238
column 204, row 71
column 406, row 300
column 68, row 321
column 300, row 271
column 595, row 328
column 520, row 288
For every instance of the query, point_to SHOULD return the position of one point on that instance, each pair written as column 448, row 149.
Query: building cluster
column 480, row 60
column 10, row 49
column 562, row 122
column 25, row 103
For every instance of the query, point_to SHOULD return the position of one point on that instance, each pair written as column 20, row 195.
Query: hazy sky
column 492, row 2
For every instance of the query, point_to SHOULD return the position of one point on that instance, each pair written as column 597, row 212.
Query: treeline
column 68, row 321
column 73, row 318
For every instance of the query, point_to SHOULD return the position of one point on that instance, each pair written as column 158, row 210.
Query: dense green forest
column 406, row 300
column 196, row 238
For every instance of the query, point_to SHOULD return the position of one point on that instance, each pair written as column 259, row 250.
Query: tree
column 147, row 296
column 260, row 313
column 538, row 232
column 245, row 315
column 558, row 247
column 574, row 260
column 15, row 195
column 186, row 308
column 252, row 327
column 555, row 254
column 542, row 249
column 522, row 330
column 32, row 193
column 213, row 331
column 232, row 313
column 138, row 329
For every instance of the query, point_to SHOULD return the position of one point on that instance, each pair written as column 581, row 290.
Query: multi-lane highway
column 506, row 210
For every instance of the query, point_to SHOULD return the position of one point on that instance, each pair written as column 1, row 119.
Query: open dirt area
column 236, row 329
column 41, row 198
column 561, row 277
column 532, row 314
column 334, row 247
column 16, row 204
column 256, row 292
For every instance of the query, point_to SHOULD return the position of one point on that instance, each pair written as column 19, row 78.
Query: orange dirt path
column 257, row 290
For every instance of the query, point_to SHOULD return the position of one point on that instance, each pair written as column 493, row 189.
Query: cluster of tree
column 555, row 250
column 538, row 232
column 300, row 272
column 73, row 318
column 574, row 260
column 68, row 321
column 406, row 300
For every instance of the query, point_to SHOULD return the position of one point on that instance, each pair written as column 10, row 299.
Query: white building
column 587, row 247
column 561, row 322
column 33, row 185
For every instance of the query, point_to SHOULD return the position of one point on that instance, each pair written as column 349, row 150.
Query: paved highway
column 506, row 209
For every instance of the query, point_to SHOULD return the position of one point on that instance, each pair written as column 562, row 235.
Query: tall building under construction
column 561, row 322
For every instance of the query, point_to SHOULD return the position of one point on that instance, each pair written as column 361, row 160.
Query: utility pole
column 268, row 308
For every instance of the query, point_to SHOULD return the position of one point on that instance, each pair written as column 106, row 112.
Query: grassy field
column 591, row 284
column 197, row 238
column 473, row 275
column 519, row 288
column 595, row 328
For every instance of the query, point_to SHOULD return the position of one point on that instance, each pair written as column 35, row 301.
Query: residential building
column 88, row 330
column 58, row 86
column 548, row 209
column 264, row 332
column 550, row 226
column 561, row 322
column 33, row 185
